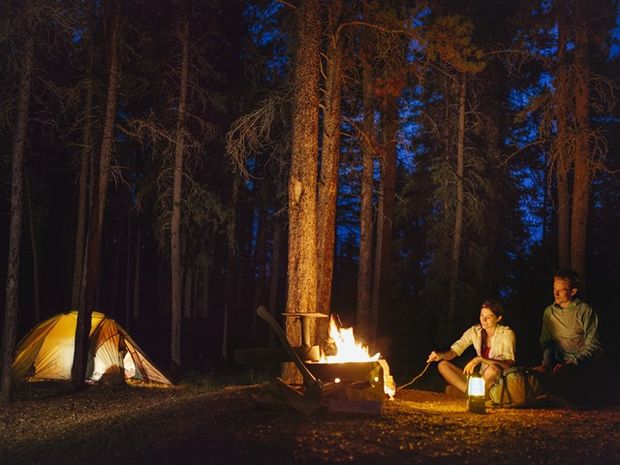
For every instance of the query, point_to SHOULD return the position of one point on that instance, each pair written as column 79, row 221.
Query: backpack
column 517, row 387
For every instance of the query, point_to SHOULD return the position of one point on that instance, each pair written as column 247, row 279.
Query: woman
column 494, row 344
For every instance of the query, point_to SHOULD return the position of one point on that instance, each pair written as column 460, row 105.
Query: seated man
column 569, row 341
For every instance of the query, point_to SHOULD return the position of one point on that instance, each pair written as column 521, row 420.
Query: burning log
column 360, row 386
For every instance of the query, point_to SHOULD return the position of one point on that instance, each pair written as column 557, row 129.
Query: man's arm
column 546, row 344
column 591, row 345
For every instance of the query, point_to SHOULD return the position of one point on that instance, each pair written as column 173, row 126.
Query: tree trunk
column 276, row 271
column 128, row 273
column 302, row 266
column 204, row 308
column 85, row 161
column 382, row 276
column 582, row 155
column 364, row 277
column 259, row 267
column 100, row 187
column 460, row 199
column 175, row 225
column 9, row 330
column 188, row 301
column 330, row 156
column 231, row 271
column 136, row 278
column 35, row 255
column 561, row 154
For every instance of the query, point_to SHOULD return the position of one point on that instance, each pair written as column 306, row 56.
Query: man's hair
column 495, row 306
column 569, row 275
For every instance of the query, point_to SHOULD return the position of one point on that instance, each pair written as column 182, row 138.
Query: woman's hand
column 434, row 357
column 471, row 365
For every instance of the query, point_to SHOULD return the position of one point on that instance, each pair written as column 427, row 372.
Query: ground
column 116, row 425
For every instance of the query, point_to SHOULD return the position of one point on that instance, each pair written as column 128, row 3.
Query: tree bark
column 364, row 277
column 136, row 278
column 9, row 330
column 276, row 271
column 302, row 257
column 175, row 225
column 562, row 155
column 99, row 182
column 231, row 273
column 582, row 154
column 330, row 156
column 259, row 266
column 460, row 199
column 382, row 276
column 85, row 161
column 35, row 255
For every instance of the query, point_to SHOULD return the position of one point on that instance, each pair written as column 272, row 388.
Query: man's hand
column 544, row 369
column 434, row 357
column 471, row 365
column 560, row 366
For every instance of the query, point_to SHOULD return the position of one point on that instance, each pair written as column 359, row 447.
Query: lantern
column 475, row 394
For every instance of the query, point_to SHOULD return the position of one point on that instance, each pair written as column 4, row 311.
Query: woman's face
column 488, row 320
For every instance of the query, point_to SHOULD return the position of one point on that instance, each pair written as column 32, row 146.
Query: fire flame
column 348, row 349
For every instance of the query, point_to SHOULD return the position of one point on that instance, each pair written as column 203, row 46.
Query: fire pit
column 375, row 373
column 351, row 363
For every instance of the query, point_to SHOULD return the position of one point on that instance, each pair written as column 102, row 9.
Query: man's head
column 566, row 284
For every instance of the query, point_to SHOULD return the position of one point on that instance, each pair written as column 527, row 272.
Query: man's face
column 562, row 292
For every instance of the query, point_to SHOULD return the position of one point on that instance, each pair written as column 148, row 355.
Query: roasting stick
column 414, row 379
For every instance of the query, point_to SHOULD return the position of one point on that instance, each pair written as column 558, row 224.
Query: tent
column 46, row 352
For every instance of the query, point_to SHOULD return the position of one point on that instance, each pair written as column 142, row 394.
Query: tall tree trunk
column 175, row 225
column 231, row 273
column 460, row 199
column 561, row 154
column 99, row 182
column 260, row 257
column 328, row 176
column 35, row 254
column 128, row 270
column 302, row 266
column 85, row 161
column 364, row 277
column 382, row 276
column 204, row 308
column 276, row 271
column 330, row 156
column 582, row 155
column 9, row 330
column 136, row 278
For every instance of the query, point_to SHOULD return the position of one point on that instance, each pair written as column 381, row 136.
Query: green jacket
column 569, row 334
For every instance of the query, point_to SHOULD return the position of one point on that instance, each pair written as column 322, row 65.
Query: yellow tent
column 46, row 352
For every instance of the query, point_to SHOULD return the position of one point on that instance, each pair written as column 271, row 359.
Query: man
column 569, row 340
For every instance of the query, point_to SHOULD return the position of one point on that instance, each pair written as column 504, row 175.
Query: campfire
column 350, row 361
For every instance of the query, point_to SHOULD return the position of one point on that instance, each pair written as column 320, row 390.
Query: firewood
column 293, row 397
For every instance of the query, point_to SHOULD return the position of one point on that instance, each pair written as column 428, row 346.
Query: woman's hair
column 495, row 306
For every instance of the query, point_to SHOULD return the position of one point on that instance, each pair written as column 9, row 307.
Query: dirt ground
column 188, row 425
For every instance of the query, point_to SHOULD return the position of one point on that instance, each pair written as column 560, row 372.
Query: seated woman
column 494, row 344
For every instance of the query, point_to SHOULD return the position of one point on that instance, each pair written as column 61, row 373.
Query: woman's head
column 491, row 312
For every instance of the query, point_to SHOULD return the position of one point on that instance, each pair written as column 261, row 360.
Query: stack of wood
column 346, row 396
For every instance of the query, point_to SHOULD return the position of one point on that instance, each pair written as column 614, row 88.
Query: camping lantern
column 475, row 394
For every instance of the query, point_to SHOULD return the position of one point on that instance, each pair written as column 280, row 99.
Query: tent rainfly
column 46, row 353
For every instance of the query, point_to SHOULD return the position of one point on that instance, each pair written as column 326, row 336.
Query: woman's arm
column 437, row 356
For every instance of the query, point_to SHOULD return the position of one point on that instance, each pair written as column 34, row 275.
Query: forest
column 175, row 164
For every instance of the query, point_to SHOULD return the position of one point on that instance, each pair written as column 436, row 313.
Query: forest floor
column 116, row 425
